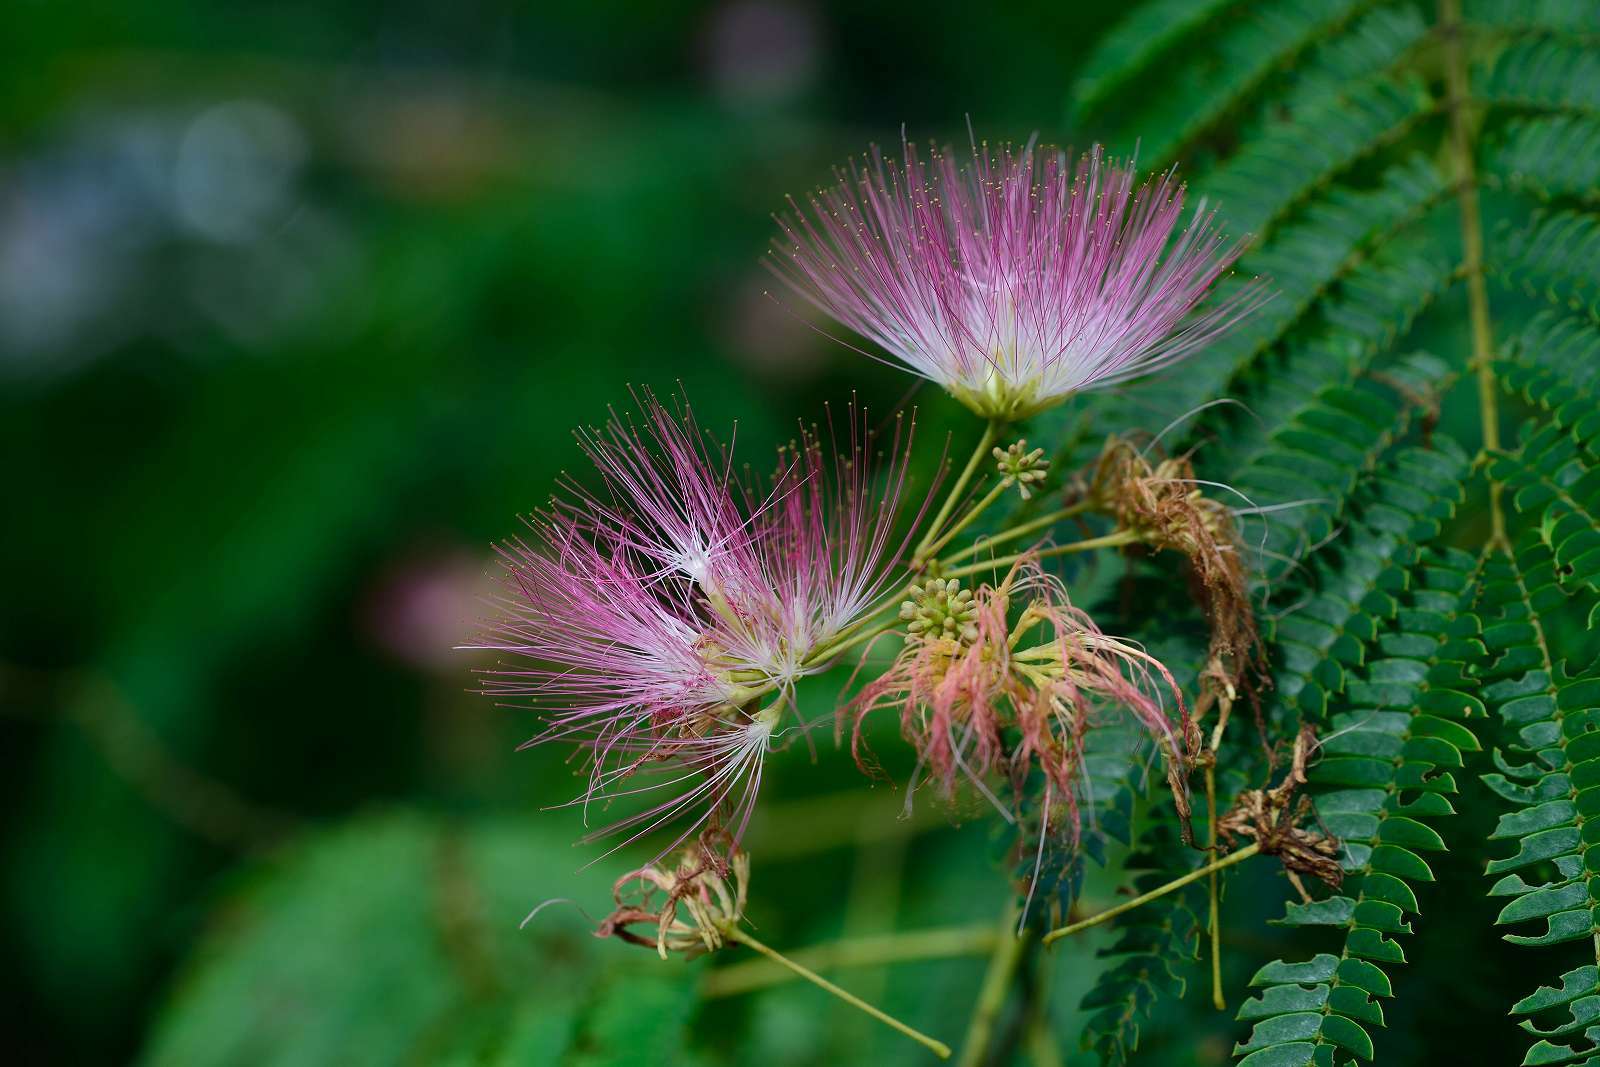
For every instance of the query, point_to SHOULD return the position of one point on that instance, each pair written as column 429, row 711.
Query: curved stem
column 1020, row 530
column 966, row 520
column 857, row 634
column 996, row 984
column 991, row 433
column 939, row 1048
column 1110, row 540
column 1177, row 883
column 939, row 943
column 1461, row 152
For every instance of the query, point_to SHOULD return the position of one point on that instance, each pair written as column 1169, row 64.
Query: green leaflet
column 1551, row 156
column 1136, row 42
column 1566, row 344
column 1399, row 733
column 1535, row 16
column 1550, row 719
column 1239, row 54
column 1551, row 478
column 1290, row 160
column 1310, row 466
column 1542, row 74
column 1372, row 46
column 1362, row 578
column 1555, row 257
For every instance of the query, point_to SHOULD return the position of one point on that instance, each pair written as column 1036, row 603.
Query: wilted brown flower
column 1163, row 504
column 708, row 887
column 1273, row 819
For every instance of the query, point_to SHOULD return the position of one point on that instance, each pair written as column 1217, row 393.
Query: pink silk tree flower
column 1014, row 279
column 661, row 621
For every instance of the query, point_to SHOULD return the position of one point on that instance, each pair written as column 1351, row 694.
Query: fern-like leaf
column 1148, row 33
column 1372, row 46
column 1384, row 777
column 1237, row 57
column 1549, row 478
column 1543, row 74
column 1311, row 466
column 1291, row 159
column 1573, row 17
column 1551, row 156
column 1377, row 303
column 1552, row 717
column 1555, row 257
column 1361, row 577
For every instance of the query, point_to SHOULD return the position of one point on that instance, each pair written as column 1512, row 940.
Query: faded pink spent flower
column 661, row 622
column 1018, row 680
column 1013, row 279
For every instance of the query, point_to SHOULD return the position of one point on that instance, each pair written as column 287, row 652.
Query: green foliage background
column 300, row 303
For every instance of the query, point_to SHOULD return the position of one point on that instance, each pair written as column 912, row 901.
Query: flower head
column 1019, row 685
column 661, row 621
column 1014, row 279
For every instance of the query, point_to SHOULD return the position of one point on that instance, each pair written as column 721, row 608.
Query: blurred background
column 299, row 303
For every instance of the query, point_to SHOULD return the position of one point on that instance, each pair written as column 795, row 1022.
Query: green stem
column 1020, row 530
column 939, row 1048
column 991, row 434
column 940, row 943
column 1144, row 898
column 1110, row 540
column 844, row 643
column 966, row 520
column 996, row 984
column 1217, row 999
column 1461, row 151
column 1038, row 1040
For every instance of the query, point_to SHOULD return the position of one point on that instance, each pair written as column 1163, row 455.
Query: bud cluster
column 1021, row 468
column 940, row 608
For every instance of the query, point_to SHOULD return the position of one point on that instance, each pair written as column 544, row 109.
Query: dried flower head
column 1165, row 505
column 1020, row 467
column 1013, row 279
column 662, row 621
column 1275, row 819
column 701, row 898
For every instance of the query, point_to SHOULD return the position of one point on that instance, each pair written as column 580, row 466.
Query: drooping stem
column 939, row 1048
column 991, row 434
column 938, row 943
column 1461, row 151
column 1110, row 540
column 1217, row 999
column 996, row 984
column 1144, row 898
column 1020, row 530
